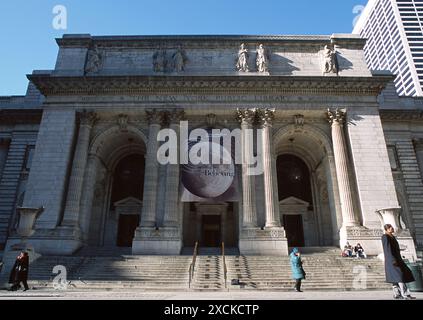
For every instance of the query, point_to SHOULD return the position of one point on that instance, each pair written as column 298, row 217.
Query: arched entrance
column 127, row 188
column 294, row 191
column 118, row 187
column 309, row 205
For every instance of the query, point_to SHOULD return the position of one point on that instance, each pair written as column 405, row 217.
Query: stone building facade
column 341, row 153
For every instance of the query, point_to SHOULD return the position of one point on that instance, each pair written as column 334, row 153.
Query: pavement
column 46, row 294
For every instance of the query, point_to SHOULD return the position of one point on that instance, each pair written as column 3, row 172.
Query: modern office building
column 394, row 33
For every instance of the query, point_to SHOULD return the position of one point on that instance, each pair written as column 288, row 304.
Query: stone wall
column 48, row 177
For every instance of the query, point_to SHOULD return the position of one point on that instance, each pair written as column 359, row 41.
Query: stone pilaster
column 266, row 117
column 172, row 176
column 246, row 117
column 148, row 217
column 336, row 119
column 72, row 209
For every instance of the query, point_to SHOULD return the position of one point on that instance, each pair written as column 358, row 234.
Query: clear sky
column 28, row 36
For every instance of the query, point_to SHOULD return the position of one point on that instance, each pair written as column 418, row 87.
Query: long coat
column 297, row 267
column 395, row 268
column 19, row 271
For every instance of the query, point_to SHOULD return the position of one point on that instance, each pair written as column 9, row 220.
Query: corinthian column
column 172, row 176
column 149, row 205
column 73, row 201
column 246, row 118
column 336, row 119
column 266, row 117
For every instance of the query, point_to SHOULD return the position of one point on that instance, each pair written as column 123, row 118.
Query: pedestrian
column 359, row 251
column 396, row 270
column 298, row 273
column 19, row 272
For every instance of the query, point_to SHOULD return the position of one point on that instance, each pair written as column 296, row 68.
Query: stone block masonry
column 47, row 179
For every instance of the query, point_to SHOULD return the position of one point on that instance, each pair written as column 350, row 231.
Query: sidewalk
column 250, row 295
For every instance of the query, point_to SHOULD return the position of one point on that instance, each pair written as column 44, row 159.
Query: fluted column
column 73, row 201
column 172, row 176
column 87, row 200
column 266, row 117
column 246, row 118
column 151, row 177
column 336, row 119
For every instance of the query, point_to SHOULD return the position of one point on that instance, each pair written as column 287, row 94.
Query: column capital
column 87, row 118
column 266, row 116
column 175, row 115
column 246, row 116
column 154, row 116
column 336, row 116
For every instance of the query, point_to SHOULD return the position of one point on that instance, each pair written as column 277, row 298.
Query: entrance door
column 293, row 225
column 126, row 230
column 211, row 233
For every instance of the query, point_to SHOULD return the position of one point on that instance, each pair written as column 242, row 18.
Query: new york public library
column 340, row 156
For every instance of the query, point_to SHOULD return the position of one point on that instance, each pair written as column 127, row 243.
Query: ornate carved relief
column 246, row 116
column 262, row 59
column 94, row 61
column 154, row 116
column 299, row 121
column 87, row 118
column 330, row 61
column 242, row 61
column 337, row 116
column 178, row 60
column 159, row 61
column 122, row 121
column 266, row 116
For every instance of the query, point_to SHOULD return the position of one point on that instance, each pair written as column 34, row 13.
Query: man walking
column 396, row 270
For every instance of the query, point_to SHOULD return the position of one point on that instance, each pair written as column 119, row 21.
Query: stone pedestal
column 371, row 240
column 265, row 242
column 157, row 241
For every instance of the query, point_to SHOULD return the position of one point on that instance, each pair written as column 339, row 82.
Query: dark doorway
column 293, row 178
column 126, row 230
column 293, row 225
column 211, row 230
column 128, row 178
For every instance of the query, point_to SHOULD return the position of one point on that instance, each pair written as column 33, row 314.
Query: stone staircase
column 148, row 273
column 208, row 275
column 325, row 269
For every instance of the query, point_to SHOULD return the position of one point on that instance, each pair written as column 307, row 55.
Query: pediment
column 293, row 201
column 128, row 202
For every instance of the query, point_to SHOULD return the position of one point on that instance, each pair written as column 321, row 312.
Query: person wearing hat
column 396, row 270
column 298, row 273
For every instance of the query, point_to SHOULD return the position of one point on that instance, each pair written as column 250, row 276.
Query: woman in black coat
column 19, row 272
column 396, row 270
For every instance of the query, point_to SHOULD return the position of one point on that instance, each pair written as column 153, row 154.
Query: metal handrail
column 192, row 265
column 225, row 269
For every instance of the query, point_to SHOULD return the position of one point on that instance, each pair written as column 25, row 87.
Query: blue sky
column 28, row 36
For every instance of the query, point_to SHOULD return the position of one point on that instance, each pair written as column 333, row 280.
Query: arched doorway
column 308, row 200
column 293, row 185
column 117, row 187
column 127, row 187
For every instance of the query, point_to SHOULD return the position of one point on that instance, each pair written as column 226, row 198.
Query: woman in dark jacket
column 19, row 272
column 298, row 273
column 396, row 270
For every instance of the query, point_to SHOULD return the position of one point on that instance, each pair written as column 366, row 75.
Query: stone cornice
column 401, row 115
column 20, row 116
column 86, row 40
column 280, row 85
